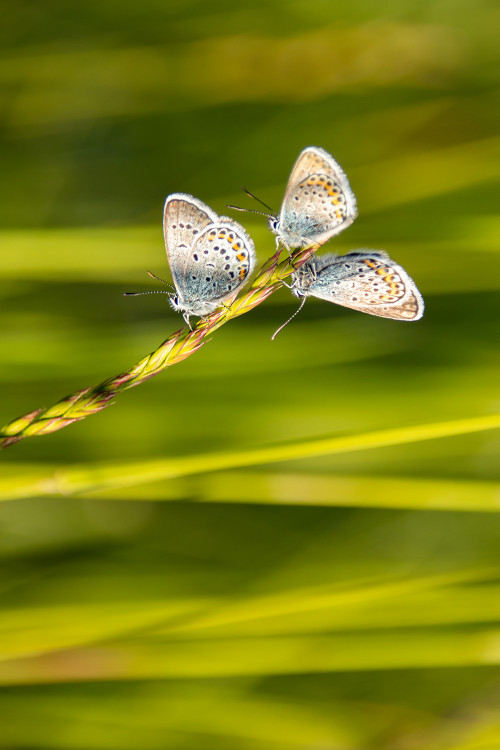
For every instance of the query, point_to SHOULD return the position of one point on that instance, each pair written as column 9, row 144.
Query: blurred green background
column 337, row 602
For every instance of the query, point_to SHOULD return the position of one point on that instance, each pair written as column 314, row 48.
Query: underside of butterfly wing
column 368, row 281
column 184, row 219
column 216, row 267
column 318, row 202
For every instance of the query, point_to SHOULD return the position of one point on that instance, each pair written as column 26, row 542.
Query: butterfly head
column 175, row 302
column 273, row 224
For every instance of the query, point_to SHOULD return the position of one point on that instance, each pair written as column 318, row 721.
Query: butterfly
column 364, row 280
column 318, row 202
column 210, row 256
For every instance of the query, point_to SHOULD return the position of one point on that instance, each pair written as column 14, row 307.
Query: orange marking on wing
column 241, row 256
column 242, row 273
column 370, row 263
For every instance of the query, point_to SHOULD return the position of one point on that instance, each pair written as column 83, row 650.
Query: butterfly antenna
column 258, row 200
column 253, row 210
column 152, row 291
column 250, row 211
column 289, row 319
column 154, row 276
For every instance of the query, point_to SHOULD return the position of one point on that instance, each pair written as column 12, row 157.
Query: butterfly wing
column 318, row 201
column 184, row 219
column 218, row 264
column 368, row 281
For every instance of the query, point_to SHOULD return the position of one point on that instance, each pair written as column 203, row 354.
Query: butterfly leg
column 289, row 251
column 186, row 317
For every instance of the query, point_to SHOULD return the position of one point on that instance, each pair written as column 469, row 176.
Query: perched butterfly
column 210, row 256
column 318, row 202
column 364, row 280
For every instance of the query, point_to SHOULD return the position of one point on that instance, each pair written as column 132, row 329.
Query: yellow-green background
column 337, row 602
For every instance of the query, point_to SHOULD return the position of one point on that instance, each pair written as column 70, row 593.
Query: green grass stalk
column 180, row 345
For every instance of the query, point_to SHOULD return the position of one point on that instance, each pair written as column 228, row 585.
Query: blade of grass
column 280, row 488
column 175, row 349
column 98, row 477
column 260, row 656
column 458, row 597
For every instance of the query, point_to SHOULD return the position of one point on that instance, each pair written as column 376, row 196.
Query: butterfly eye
column 273, row 223
column 174, row 301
